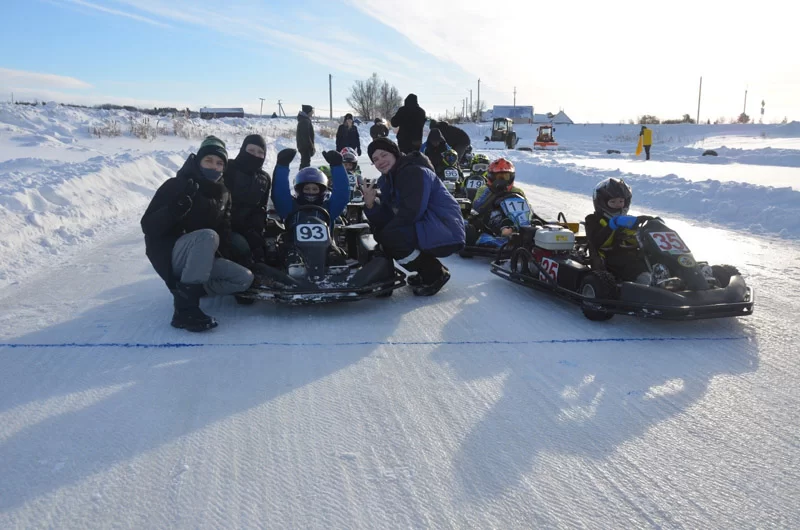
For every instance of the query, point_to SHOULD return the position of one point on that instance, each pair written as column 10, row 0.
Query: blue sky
column 186, row 53
column 599, row 61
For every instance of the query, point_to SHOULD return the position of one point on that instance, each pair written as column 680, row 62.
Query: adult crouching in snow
column 415, row 219
column 249, row 186
column 305, row 136
column 187, row 226
column 410, row 120
column 347, row 135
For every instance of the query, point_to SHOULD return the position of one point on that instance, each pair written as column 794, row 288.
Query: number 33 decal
column 670, row 242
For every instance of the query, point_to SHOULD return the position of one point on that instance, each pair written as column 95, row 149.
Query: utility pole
column 330, row 93
column 281, row 112
column 478, row 109
column 515, row 97
column 699, row 94
column 261, row 111
column 744, row 111
column 470, row 102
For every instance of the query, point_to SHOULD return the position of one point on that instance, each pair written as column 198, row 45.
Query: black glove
column 182, row 206
column 359, row 151
column 286, row 156
column 332, row 158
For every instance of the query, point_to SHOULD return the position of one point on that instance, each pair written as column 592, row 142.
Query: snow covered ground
column 487, row 406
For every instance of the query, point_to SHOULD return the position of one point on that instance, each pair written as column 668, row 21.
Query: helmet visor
column 480, row 167
column 503, row 175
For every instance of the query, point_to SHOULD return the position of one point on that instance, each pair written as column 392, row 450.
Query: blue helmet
column 311, row 175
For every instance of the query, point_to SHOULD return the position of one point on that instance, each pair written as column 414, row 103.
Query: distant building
column 557, row 119
column 520, row 114
column 208, row 113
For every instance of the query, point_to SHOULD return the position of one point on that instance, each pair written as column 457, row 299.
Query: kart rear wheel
column 723, row 273
column 520, row 259
column 601, row 285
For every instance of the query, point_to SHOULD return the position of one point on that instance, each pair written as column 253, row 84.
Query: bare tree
column 364, row 97
column 480, row 108
column 389, row 100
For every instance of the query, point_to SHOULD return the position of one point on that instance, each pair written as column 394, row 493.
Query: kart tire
column 519, row 261
column 723, row 273
column 601, row 285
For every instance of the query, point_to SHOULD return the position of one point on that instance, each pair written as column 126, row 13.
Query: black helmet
column 612, row 188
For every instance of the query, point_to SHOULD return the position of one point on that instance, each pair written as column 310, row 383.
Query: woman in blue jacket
column 415, row 219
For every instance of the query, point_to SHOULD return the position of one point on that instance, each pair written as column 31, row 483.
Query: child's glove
column 286, row 156
column 333, row 158
column 182, row 206
column 618, row 221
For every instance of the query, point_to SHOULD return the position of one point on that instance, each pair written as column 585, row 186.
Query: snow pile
column 61, row 187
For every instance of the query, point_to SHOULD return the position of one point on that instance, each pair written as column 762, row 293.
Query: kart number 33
column 669, row 242
column 312, row 232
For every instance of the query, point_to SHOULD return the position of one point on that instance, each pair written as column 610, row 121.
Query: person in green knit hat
column 187, row 234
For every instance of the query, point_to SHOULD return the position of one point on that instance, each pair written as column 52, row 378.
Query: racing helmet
column 311, row 175
column 450, row 158
column 501, row 175
column 611, row 188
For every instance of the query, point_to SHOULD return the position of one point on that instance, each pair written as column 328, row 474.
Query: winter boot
column 431, row 275
column 187, row 313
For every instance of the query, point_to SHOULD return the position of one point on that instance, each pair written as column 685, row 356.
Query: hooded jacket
column 379, row 130
column 249, row 197
column 410, row 119
column 454, row 136
column 348, row 137
column 305, row 135
column 434, row 153
column 211, row 208
column 411, row 195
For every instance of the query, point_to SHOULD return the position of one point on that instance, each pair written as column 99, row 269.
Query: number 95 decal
column 670, row 242
column 312, row 232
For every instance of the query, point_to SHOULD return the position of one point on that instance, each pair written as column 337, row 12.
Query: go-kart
column 327, row 273
column 549, row 258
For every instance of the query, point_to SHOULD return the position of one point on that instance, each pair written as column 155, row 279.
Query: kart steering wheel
column 314, row 207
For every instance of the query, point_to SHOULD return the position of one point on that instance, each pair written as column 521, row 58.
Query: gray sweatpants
column 194, row 261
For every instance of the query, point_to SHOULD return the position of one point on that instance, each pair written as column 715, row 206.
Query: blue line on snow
column 175, row 345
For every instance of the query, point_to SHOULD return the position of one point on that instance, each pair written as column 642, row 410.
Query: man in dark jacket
column 249, row 186
column 379, row 130
column 454, row 136
column 347, row 135
column 187, row 222
column 305, row 136
column 415, row 219
column 410, row 119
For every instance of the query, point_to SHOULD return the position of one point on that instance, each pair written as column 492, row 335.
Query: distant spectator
column 410, row 119
column 647, row 140
column 379, row 130
column 305, row 136
column 347, row 135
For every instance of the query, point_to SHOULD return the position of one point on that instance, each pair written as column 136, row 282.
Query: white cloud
column 116, row 12
column 9, row 78
column 608, row 60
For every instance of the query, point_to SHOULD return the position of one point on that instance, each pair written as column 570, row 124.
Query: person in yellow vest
column 610, row 232
column 647, row 140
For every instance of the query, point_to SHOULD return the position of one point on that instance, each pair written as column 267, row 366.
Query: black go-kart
column 327, row 273
column 549, row 258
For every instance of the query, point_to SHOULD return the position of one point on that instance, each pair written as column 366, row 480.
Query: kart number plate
column 451, row 174
column 474, row 183
column 312, row 232
column 516, row 205
column 670, row 242
column 550, row 268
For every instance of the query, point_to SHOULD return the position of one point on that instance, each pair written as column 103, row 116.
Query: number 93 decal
column 312, row 232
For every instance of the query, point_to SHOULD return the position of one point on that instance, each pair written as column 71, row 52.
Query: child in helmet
column 488, row 224
column 449, row 172
column 311, row 188
column 350, row 161
column 610, row 234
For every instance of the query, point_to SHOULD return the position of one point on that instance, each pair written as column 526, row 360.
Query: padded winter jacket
column 379, row 130
column 305, row 134
column 249, row 198
column 454, row 136
column 647, row 136
column 286, row 203
column 348, row 137
column 412, row 195
column 410, row 118
column 211, row 208
column 434, row 154
column 601, row 236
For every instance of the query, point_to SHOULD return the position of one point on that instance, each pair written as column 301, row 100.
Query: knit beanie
column 212, row 146
column 348, row 116
column 384, row 144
